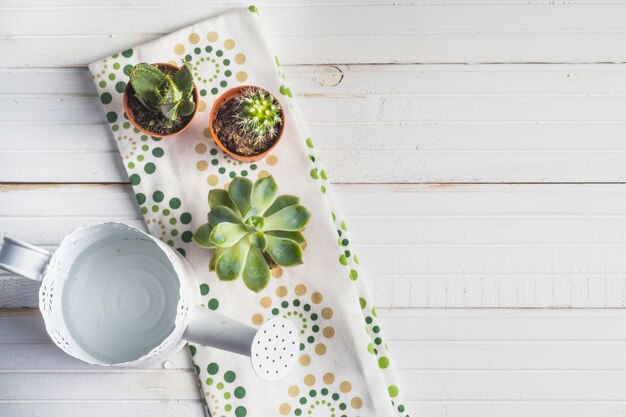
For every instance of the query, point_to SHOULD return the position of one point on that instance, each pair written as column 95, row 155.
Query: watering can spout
column 272, row 348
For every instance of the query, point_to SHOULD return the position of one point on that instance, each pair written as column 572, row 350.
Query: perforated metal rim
column 275, row 349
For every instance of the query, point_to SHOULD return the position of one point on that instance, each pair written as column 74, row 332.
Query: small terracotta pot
column 229, row 95
column 131, row 116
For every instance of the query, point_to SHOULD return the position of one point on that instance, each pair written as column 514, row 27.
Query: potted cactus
column 247, row 122
column 252, row 229
column 160, row 99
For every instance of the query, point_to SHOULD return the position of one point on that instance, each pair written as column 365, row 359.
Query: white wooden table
column 487, row 201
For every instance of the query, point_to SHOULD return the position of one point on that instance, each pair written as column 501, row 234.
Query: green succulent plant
column 258, row 113
column 167, row 95
column 249, row 226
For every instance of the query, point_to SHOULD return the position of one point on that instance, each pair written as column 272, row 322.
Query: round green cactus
column 258, row 113
column 250, row 225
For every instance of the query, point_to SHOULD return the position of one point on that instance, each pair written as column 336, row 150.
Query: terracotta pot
column 223, row 99
column 131, row 116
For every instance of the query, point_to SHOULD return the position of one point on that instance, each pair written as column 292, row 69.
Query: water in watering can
column 120, row 299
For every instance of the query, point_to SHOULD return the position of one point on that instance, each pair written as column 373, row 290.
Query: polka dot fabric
column 344, row 368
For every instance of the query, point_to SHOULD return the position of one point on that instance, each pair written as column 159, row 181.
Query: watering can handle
column 24, row 259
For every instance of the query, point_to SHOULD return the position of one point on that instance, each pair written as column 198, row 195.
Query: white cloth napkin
column 344, row 368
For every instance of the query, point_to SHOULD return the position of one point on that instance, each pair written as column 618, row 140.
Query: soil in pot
column 235, row 140
column 155, row 122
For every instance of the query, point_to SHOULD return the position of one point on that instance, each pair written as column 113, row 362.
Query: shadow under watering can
column 113, row 295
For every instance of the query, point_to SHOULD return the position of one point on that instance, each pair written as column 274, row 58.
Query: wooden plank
column 98, row 408
column 469, row 245
column 513, row 408
column 425, row 32
column 449, row 124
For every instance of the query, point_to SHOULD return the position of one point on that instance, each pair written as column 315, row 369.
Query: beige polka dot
column 202, row 165
column 194, row 38
column 309, row 380
column 257, row 319
column 300, row 289
column 305, row 360
column 271, row 160
column 212, row 36
column 212, row 179
column 329, row 331
column 263, row 173
column 320, row 349
column 179, row 49
column 172, row 63
column 356, row 402
column 201, row 148
column 229, row 44
column 284, row 409
column 345, row 387
column 316, row 297
column 240, row 58
column 241, row 76
column 266, row 302
column 277, row 272
column 327, row 313
column 281, row 291
column 328, row 378
column 293, row 391
column 226, row 186
column 207, row 133
column 201, row 106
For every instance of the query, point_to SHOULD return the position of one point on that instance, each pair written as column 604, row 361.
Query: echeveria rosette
column 250, row 225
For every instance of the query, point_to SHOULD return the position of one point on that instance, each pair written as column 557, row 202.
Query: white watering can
column 113, row 295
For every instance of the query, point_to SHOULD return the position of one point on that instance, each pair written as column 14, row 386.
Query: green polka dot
column 241, row 411
column 111, row 76
column 115, row 128
column 145, row 147
column 187, row 236
column 127, row 69
column 197, row 51
column 155, row 208
column 383, row 362
column 173, row 221
column 228, row 73
column 126, row 125
column 203, row 92
column 219, row 53
column 111, row 117
column 362, row 302
column 371, row 349
column 209, row 381
column 393, row 391
column 213, row 91
column 175, row 203
column 220, row 385
column 158, row 152
column 135, row 179
column 221, row 170
column 116, row 66
column 213, row 304
column 313, row 174
column 227, row 395
column 181, row 251
column 141, row 198
column 343, row 260
column 102, row 84
column 127, row 53
column 309, row 142
column 144, row 210
column 188, row 58
column 120, row 86
column 204, row 289
column 106, row 98
column 353, row 274
column 208, row 49
column 131, row 165
column 140, row 158
column 174, row 232
column 212, row 368
column 158, row 196
column 229, row 376
column 149, row 168
column 240, row 392
column 192, row 349
column 223, row 84
column 166, row 212
column 376, row 329
column 185, row 218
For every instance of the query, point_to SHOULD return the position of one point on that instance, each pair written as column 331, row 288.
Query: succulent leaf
column 171, row 93
column 264, row 193
column 201, row 236
column 170, row 111
column 219, row 197
column 256, row 273
column 146, row 80
column 230, row 264
column 285, row 252
column 187, row 107
column 216, row 255
column 222, row 214
column 292, row 218
column 258, row 239
column 239, row 191
column 280, row 203
column 226, row 235
column 298, row 237
column 183, row 78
